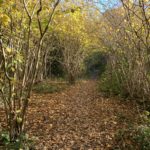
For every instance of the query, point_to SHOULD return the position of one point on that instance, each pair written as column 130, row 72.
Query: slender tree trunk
column 15, row 128
column 71, row 78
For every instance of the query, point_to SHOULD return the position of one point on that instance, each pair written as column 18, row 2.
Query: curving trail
column 78, row 118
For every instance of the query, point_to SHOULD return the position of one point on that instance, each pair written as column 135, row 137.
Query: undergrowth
column 24, row 142
column 134, row 137
column 110, row 85
column 48, row 87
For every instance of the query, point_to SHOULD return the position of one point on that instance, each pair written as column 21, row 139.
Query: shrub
column 111, row 85
column 133, row 137
column 23, row 142
column 143, row 137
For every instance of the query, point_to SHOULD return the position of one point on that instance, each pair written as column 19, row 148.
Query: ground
column 78, row 118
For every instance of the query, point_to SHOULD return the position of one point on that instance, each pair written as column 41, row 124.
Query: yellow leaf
column 4, row 19
column 8, row 50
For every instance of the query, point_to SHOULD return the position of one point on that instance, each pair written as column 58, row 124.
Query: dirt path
column 77, row 119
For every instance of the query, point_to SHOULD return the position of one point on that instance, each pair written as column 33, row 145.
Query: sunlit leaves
column 4, row 19
column 9, row 50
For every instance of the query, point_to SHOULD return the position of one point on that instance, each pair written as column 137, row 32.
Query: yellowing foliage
column 4, row 19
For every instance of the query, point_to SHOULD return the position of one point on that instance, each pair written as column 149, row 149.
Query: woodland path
column 78, row 118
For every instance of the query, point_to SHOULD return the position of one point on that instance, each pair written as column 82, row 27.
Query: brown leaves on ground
column 78, row 118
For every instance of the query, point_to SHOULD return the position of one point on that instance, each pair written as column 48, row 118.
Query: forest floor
column 78, row 118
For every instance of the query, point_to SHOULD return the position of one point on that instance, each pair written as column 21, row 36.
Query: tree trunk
column 71, row 79
column 15, row 128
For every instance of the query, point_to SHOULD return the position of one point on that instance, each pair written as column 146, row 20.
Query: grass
column 50, row 86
